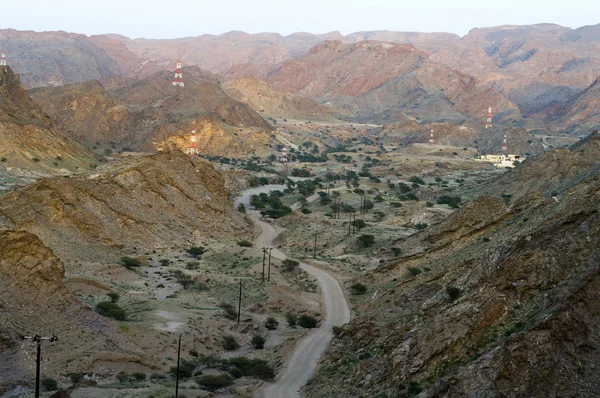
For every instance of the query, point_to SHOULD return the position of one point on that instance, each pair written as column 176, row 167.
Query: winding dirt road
column 310, row 348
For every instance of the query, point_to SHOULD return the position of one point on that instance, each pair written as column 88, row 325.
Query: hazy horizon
column 153, row 20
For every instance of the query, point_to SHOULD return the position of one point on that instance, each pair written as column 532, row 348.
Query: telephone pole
column 240, row 303
column 177, row 376
column 264, row 249
column 38, row 340
column 269, row 274
column 315, row 251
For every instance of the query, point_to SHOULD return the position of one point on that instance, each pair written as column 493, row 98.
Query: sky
column 183, row 18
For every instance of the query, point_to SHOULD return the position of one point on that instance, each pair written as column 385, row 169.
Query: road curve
column 310, row 348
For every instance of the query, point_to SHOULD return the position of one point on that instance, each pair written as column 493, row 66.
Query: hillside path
column 310, row 348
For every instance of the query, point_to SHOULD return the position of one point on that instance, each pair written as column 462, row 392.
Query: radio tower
column 431, row 137
column 178, row 78
column 193, row 148
column 504, row 146
column 488, row 123
column 284, row 158
column 3, row 59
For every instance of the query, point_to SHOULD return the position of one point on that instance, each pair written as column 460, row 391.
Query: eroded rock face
column 149, row 202
column 524, row 320
column 33, row 299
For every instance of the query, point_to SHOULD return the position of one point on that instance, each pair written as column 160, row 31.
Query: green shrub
column 307, row 321
column 306, row 211
column 258, row 342
column 214, row 382
column 49, row 384
column 241, row 208
column 230, row 343
column 365, row 240
column 397, row 251
column 3, row 159
column 271, row 323
column 111, row 310
column 337, row 331
column 358, row 289
column 416, row 180
column 453, row 292
column 452, row 201
column 196, row 251
column 290, row 265
column 139, row 376
column 253, row 367
column 291, row 319
column 414, row 271
column 230, row 312
column 245, row 243
column 114, row 297
column 164, row 262
column 360, row 224
column 192, row 265
column 76, row 377
column 420, row 226
column 130, row 262
column 186, row 369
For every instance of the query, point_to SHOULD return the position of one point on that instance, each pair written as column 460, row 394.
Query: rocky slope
column 261, row 97
column 29, row 140
column 376, row 81
column 579, row 116
column 501, row 299
column 143, row 114
column 33, row 299
column 158, row 201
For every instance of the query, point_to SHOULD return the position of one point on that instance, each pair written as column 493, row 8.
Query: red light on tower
column 504, row 144
column 283, row 159
column 3, row 60
column 193, row 147
column 488, row 123
column 178, row 78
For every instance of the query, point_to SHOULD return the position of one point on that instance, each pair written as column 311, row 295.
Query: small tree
column 365, row 240
column 307, row 321
column 49, row 384
column 114, row 297
column 359, row 224
column 130, row 262
column 290, row 265
column 337, row 330
column 244, row 243
column 230, row 343
column 258, row 342
column 271, row 323
column 291, row 319
column 358, row 289
column 397, row 251
column 453, row 292
column 241, row 208
column 214, row 382
column 196, row 251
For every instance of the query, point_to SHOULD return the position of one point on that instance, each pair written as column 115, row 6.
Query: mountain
column 144, row 113
column 500, row 297
column 150, row 202
column 376, row 81
column 581, row 115
column 263, row 98
column 29, row 140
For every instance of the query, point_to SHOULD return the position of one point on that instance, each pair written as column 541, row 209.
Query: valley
column 308, row 216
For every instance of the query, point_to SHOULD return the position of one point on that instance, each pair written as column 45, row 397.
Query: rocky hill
column 261, row 97
column 579, row 116
column 34, row 299
column 143, row 114
column 501, row 297
column 159, row 201
column 486, row 141
column 29, row 140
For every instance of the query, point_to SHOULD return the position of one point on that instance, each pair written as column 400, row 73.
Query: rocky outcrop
column 505, row 303
column 33, row 299
column 158, row 201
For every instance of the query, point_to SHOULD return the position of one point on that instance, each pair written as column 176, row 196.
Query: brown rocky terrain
column 580, row 116
column 470, row 135
column 500, row 297
column 261, row 97
column 29, row 140
column 34, row 299
column 144, row 113
column 376, row 81
column 150, row 202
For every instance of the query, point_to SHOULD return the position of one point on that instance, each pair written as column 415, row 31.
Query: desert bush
column 416, row 180
column 230, row 343
column 358, row 289
column 365, row 240
column 258, row 342
column 241, row 208
column 49, row 384
column 291, row 319
column 307, row 321
column 112, row 310
column 139, row 376
column 453, row 292
column 397, row 251
column 414, row 271
column 253, row 367
column 271, row 323
column 192, row 265
column 214, row 382
column 114, row 297
column 244, row 243
column 164, row 262
column 230, row 312
column 290, row 265
column 452, row 201
column 196, row 251
column 130, row 262
column 337, row 331
column 359, row 224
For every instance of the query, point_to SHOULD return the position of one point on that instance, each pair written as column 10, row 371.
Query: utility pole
column 315, row 251
column 177, row 376
column 269, row 274
column 240, row 303
column 264, row 249
column 38, row 340
column 354, row 223
column 350, row 223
